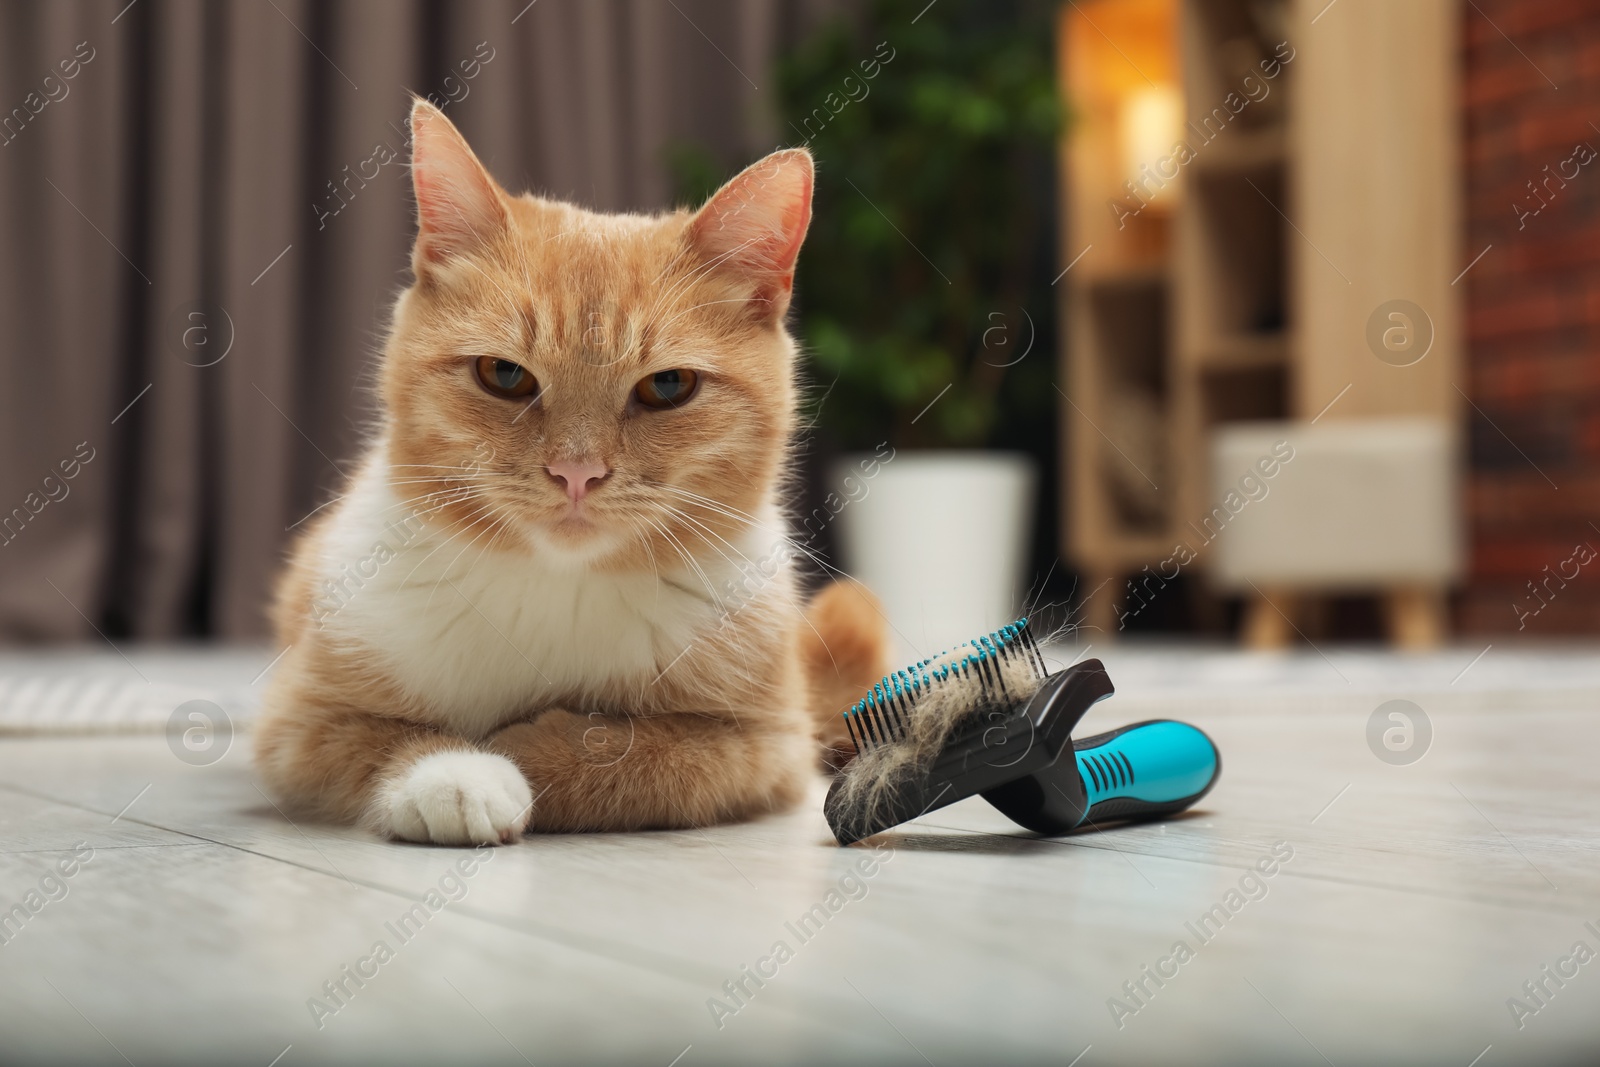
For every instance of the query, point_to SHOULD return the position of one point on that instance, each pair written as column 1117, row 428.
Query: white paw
column 457, row 798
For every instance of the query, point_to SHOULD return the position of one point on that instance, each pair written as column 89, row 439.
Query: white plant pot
column 940, row 537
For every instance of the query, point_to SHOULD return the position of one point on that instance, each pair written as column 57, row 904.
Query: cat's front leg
column 398, row 777
column 605, row 772
column 453, row 798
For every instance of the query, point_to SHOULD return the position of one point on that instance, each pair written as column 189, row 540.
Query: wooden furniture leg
column 1266, row 619
column 1416, row 616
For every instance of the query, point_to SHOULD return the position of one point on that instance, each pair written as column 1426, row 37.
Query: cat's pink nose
column 578, row 478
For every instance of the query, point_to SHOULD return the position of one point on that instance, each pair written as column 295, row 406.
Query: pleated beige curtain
column 214, row 177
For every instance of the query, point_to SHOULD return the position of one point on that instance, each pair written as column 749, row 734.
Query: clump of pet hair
column 908, row 718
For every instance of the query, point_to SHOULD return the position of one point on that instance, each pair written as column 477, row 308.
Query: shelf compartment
column 1239, row 285
column 1244, row 393
column 1244, row 152
column 1245, row 352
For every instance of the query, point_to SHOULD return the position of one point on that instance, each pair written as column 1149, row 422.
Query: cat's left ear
column 754, row 225
column 459, row 206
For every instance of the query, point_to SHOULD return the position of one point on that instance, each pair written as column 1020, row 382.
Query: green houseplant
column 927, row 273
column 923, row 296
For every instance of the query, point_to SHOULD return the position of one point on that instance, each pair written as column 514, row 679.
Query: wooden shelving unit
column 1117, row 298
column 1232, row 341
column 1207, row 304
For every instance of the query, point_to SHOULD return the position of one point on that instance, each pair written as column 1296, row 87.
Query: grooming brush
column 988, row 718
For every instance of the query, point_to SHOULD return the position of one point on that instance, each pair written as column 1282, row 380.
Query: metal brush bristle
column 885, row 714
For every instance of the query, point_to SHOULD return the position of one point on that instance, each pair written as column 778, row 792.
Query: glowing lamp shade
column 1151, row 122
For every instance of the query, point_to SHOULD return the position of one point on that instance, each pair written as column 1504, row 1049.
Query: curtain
column 204, row 215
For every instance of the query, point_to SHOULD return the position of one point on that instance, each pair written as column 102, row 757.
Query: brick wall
column 1532, row 314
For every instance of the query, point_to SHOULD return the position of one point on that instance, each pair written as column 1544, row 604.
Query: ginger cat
column 544, row 602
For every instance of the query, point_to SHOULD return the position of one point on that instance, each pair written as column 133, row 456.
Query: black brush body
column 1009, row 755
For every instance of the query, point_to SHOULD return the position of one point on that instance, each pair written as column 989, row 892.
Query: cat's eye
column 666, row 389
column 504, row 378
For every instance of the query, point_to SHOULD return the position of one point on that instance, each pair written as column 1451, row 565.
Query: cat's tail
column 845, row 651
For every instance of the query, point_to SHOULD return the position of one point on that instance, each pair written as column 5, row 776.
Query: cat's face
column 594, row 387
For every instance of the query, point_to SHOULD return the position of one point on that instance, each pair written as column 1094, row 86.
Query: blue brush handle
column 1147, row 769
column 1141, row 771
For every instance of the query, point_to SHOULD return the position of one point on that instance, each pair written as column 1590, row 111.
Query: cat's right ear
column 755, row 224
column 459, row 206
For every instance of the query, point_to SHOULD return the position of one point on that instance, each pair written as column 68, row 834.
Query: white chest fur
column 482, row 635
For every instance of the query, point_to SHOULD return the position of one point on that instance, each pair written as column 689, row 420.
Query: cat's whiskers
column 454, row 502
column 409, row 481
column 663, row 534
column 743, row 517
column 436, row 466
column 740, row 515
column 419, row 511
column 694, row 565
column 438, row 479
column 655, row 566
column 498, row 518
column 444, row 482
column 471, row 521
column 696, row 524
column 689, row 561
column 425, row 512
column 789, row 541
column 732, row 512
column 456, row 496
column 735, row 523
column 327, row 503
column 696, row 528
column 782, row 589
column 684, row 491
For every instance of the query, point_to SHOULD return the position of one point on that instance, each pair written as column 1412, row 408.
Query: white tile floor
column 1417, row 901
